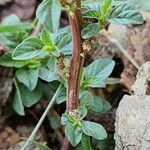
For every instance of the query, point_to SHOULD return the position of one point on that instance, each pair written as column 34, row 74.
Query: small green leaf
column 29, row 49
column 85, row 143
column 91, row 14
column 98, row 71
column 125, row 13
column 105, row 6
column 63, row 40
column 17, row 101
column 94, row 130
column 86, row 99
column 61, row 96
column 48, row 13
column 29, row 77
column 12, row 39
column 46, row 38
column 55, row 122
column 90, row 30
column 24, row 97
column 7, row 61
column 91, row 5
column 73, row 133
column 15, row 27
column 65, row 119
column 82, row 112
column 49, row 73
column 100, row 105
column 33, row 64
column 30, row 98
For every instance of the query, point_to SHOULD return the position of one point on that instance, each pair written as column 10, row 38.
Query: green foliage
column 107, row 12
column 93, row 103
column 7, row 61
column 55, row 122
column 99, row 105
column 75, row 126
column 86, row 99
column 29, row 77
column 95, row 74
column 46, row 13
column 94, row 130
column 90, row 30
column 108, row 143
column 24, row 97
column 36, row 62
column 84, row 143
column 125, row 13
column 73, row 133
column 13, row 31
column 30, row 48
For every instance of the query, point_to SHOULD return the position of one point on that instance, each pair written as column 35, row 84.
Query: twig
column 41, row 119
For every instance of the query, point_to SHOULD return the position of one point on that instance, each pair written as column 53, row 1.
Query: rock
column 132, row 118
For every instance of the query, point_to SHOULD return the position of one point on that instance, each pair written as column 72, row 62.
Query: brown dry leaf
column 139, row 49
column 8, row 137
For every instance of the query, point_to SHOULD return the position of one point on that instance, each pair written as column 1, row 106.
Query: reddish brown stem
column 74, row 75
column 75, row 66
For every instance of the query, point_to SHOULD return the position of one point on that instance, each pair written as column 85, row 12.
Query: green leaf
column 85, row 143
column 65, row 119
column 82, row 112
column 63, row 40
column 17, row 101
column 73, row 133
column 105, row 6
column 29, row 49
column 16, row 27
column 33, row 64
column 125, row 13
column 99, row 105
column 90, row 30
column 94, row 130
column 107, row 144
column 7, row 61
column 46, row 38
column 12, row 39
column 92, row 5
column 55, row 122
column 61, row 96
column 98, row 71
column 91, row 14
column 29, row 77
column 24, row 97
column 48, row 13
column 86, row 99
column 49, row 73
column 30, row 98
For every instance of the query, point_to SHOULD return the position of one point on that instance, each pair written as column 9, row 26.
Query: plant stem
column 74, row 72
column 41, row 119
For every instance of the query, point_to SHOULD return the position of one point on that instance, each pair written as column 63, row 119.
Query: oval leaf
column 48, row 13
column 125, row 13
column 29, row 77
column 29, row 49
column 94, row 130
column 74, row 134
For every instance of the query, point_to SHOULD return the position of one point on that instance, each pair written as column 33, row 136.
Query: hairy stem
column 31, row 137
